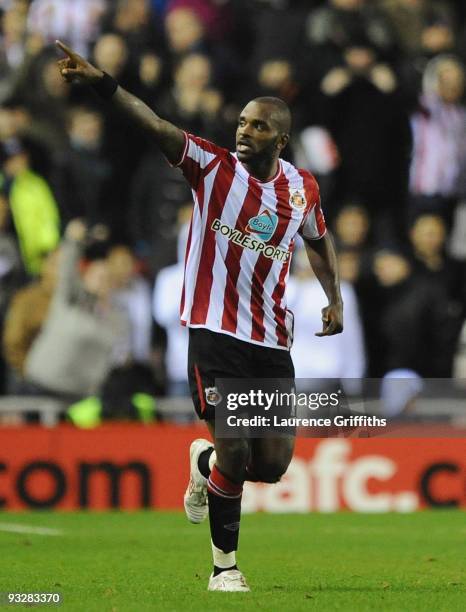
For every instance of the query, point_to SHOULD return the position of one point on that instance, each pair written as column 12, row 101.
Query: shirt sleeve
column 197, row 157
column 313, row 225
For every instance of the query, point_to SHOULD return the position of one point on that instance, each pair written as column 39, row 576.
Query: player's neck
column 263, row 170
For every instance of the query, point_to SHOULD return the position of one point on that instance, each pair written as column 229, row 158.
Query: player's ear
column 283, row 141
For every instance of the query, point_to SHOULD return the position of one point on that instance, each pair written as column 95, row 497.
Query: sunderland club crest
column 298, row 199
column 212, row 396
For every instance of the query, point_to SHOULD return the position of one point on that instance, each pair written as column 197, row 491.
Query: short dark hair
column 281, row 113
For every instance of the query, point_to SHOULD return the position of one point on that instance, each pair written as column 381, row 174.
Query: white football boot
column 229, row 580
column 195, row 498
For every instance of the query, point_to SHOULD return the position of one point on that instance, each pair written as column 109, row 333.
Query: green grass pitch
column 120, row 562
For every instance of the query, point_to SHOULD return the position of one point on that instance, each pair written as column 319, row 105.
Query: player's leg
column 207, row 353
column 224, row 490
column 200, row 459
column 270, row 458
column 223, row 468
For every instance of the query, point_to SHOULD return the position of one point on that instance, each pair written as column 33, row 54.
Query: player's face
column 256, row 135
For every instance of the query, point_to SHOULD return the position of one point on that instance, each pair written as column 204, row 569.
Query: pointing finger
column 69, row 52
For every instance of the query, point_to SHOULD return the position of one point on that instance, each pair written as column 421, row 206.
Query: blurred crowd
column 93, row 220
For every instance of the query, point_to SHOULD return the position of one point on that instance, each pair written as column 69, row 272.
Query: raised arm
column 323, row 259
column 168, row 137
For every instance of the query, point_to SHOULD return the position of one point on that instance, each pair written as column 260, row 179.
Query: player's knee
column 232, row 458
column 270, row 471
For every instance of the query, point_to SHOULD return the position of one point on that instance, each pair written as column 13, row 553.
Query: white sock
column 212, row 459
column 221, row 559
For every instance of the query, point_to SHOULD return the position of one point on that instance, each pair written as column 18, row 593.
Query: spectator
column 76, row 22
column 315, row 150
column 166, row 310
column 352, row 226
column 127, row 394
column 12, row 48
column 366, row 117
column 275, row 56
column 8, row 127
column 399, row 391
column 340, row 25
column 211, row 15
column 278, row 30
column 277, row 77
column 429, row 259
column 349, row 265
column 111, row 54
column 152, row 76
column 422, row 26
column 137, row 38
column 123, row 146
column 192, row 102
column 45, row 97
column 83, row 175
column 11, row 275
column 24, row 319
column 131, row 293
column 341, row 358
column 133, row 21
column 438, row 165
column 11, row 269
column 84, row 335
column 158, row 192
column 16, row 122
column 425, row 29
column 407, row 321
column 185, row 31
column 352, row 236
column 188, row 30
column 33, row 207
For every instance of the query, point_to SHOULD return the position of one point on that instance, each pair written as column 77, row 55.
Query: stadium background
column 377, row 94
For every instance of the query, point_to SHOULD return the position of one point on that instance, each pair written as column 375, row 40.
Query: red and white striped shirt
column 240, row 244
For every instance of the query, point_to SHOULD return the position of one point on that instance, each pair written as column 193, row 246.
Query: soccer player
column 248, row 208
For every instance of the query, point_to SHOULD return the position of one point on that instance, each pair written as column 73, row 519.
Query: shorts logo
column 212, row 396
column 298, row 199
column 263, row 225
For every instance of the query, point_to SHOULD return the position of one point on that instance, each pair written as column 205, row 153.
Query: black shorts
column 213, row 355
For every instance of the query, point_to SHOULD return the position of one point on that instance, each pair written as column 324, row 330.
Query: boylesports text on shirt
column 244, row 240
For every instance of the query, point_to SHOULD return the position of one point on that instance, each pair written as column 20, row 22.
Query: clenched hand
column 332, row 319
